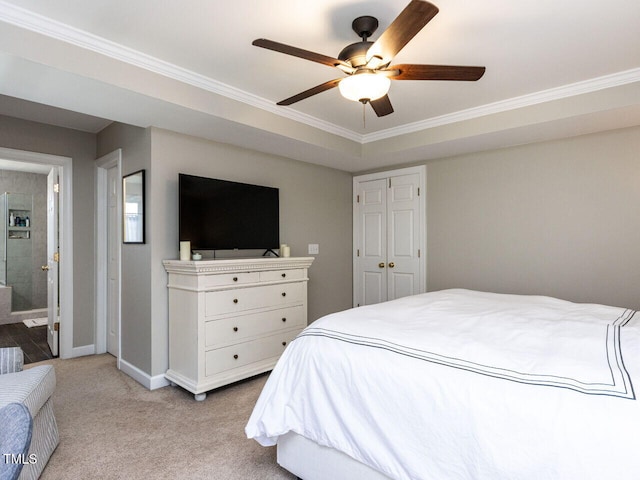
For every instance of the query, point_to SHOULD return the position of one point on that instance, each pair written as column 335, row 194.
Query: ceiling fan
column 367, row 64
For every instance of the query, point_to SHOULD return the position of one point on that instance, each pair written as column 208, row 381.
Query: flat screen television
column 222, row 215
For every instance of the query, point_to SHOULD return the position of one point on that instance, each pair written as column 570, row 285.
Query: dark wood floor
column 33, row 341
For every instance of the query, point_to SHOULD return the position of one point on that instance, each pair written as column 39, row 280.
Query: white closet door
column 389, row 235
column 372, row 249
column 113, row 263
column 403, row 265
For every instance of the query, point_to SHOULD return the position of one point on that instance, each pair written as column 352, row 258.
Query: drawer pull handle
column 284, row 344
column 284, row 275
column 235, row 329
column 284, row 294
column 235, row 357
column 235, row 279
column 235, row 300
column 284, row 319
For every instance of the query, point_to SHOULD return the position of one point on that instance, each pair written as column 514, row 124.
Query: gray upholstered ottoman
column 32, row 387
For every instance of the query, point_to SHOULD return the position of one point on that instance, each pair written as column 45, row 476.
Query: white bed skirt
column 310, row 461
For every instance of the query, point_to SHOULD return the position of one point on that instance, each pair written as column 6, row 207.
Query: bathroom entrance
column 23, row 247
column 38, row 176
column 17, row 250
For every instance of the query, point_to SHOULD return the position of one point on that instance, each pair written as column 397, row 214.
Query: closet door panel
column 371, row 244
column 403, row 210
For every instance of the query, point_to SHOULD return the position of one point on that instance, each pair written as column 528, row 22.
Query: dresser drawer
column 275, row 275
column 236, row 329
column 241, row 299
column 234, row 356
column 224, row 279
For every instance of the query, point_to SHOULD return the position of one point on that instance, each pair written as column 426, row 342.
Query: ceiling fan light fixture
column 362, row 87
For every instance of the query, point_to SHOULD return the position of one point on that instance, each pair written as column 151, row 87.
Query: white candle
column 185, row 250
column 286, row 251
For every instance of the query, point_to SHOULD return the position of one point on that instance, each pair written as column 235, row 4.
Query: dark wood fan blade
column 312, row 91
column 435, row 72
column 382, row 106
column 406, row 26
column 300, row 53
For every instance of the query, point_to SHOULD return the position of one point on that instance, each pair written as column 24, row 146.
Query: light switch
column 314, row 249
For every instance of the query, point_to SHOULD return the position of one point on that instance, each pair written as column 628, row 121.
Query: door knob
column 391, row 265
column 381, row 264
column 45, row 267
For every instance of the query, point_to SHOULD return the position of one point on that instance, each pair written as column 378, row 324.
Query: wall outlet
column 314, row 249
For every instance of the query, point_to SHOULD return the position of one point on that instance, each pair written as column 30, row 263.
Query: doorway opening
column 36, row 237
column 108, row 252
column 23, row 254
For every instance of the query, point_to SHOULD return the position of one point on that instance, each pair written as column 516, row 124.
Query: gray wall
column 315, row 207
column 81, row 147
column 136, row 331
column 558, row 218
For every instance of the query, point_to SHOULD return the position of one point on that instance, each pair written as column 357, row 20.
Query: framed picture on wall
column 133, row 208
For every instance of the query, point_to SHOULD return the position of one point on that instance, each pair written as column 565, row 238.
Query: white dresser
column 231, row 319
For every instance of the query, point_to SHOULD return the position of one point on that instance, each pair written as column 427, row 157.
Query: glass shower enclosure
column 16, row 248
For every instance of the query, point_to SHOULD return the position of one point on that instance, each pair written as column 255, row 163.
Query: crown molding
column 23, row 18
column 544, row 96
column 29, row 20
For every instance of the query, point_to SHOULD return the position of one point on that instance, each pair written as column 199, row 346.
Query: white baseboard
column 143, row 378
column 83, row 351
column 159, row 381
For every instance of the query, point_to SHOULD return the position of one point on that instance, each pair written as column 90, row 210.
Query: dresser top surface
column 203, row 267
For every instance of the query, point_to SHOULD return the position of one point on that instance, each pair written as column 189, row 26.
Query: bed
column 458, row 384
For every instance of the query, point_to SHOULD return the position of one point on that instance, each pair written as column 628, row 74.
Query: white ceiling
column 554, row 68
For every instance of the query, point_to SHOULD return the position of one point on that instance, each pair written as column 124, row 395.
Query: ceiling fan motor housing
column 355, row 54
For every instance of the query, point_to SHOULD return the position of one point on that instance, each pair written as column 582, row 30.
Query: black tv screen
column 222, row 215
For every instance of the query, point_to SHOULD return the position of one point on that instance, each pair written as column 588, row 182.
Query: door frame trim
column 65, row 236
column 104, row 163
column 422, row 171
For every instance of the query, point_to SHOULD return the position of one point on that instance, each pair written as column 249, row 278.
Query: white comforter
column 465, row 385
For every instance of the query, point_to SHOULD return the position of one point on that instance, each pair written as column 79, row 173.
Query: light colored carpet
column 113, row 428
